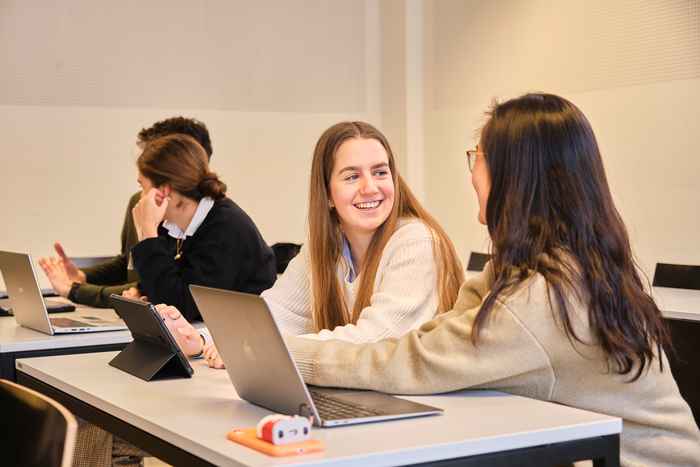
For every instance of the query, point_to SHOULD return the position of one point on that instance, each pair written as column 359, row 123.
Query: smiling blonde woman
column 376, row 263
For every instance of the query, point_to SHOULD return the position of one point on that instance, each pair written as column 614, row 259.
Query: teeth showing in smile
column 369, row 205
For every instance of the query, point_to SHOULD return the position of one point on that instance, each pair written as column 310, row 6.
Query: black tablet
column 153, row 354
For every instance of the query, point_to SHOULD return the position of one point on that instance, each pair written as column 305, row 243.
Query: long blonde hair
column 326, row 240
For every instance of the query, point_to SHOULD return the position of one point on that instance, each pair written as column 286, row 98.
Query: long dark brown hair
column 550, row 210
column 325, row 237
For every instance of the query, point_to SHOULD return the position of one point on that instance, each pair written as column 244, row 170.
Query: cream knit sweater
column 522, row 350
column 405, row 291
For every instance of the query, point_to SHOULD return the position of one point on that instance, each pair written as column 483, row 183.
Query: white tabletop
column 196, row 413
column 15, row 338
column 678, row 303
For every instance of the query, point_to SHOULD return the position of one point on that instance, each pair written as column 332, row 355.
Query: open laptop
column 52, row 306
column 28, row 304
column 263, row 372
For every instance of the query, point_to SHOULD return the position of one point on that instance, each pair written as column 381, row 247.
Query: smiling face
column 361, row 186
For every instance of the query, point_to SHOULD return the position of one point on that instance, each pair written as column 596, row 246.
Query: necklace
column 178, row 249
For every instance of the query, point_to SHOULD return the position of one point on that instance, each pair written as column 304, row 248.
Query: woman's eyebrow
column 352, row 168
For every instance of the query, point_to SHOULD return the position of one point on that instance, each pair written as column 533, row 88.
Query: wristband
column 73, row 292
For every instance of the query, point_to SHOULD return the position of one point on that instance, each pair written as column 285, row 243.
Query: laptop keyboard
column 330, row 408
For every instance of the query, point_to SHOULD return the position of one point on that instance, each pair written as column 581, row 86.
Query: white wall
column 80, row 78
column 632, row 67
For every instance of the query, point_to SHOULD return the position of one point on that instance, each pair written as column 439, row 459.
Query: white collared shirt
column 203, row 208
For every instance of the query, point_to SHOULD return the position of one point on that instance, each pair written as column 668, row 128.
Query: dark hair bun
column 211, row 186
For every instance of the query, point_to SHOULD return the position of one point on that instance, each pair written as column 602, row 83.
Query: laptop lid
column 249, row 341
column 28, row 303
column 23, row 290
column 264, row 373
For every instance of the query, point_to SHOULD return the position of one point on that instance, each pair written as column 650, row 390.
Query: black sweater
column 226, row 252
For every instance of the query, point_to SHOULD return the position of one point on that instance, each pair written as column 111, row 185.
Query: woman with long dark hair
column 559, row 314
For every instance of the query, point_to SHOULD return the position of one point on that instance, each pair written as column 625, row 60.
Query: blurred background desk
column 678, row 303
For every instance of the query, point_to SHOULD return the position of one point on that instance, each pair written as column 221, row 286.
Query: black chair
column 679, row 276
column 685, row 335
column 37, row 431
column 477, row 261
column 685, row 361
column 284, row 252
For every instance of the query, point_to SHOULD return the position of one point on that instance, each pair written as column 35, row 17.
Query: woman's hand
column 61, row 271
column 149, row 212
column 73, row 272
column 211, row 355
column 57, row 275
column 186, row 336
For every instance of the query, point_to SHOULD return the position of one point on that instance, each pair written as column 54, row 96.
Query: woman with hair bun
column 189, row 232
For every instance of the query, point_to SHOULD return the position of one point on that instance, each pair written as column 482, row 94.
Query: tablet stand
column 149, row 361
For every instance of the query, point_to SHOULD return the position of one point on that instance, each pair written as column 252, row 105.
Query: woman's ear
column 166, row 189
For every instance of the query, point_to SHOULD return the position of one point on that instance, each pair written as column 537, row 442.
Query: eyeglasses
column 471, row 158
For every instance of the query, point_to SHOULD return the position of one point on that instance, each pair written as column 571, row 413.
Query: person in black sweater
column 93, row 285
column 189, row 232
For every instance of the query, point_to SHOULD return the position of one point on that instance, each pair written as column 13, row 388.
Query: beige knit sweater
column 404, row 296
column 522, row 350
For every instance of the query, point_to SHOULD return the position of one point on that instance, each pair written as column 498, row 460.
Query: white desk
column 678, row 303
column 18, row 342
column 184, row 421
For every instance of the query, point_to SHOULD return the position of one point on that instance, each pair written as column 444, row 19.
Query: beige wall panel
column 278, row 56
column 633, row 67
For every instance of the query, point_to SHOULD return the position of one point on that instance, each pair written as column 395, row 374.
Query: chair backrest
column 37, row 431
column 477, row 261
column 90, row 261
column 679, row 276
column 685, row 334
column 284, row 252
column 684, row 359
